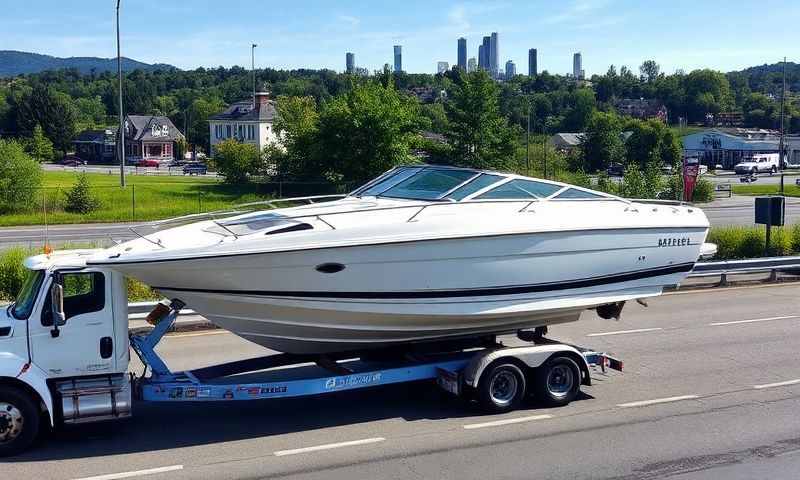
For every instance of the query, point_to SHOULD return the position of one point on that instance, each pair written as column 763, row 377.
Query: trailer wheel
column 557, row 382
column 501, row 387
column 19, row 421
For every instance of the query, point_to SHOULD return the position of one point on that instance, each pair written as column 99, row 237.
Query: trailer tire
column 501, row 387
column 19, row 421
column 557, row 382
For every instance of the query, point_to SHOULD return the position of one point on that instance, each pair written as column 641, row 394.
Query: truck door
column 85, row 344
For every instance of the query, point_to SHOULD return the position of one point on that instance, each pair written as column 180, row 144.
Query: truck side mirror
column 57, row 302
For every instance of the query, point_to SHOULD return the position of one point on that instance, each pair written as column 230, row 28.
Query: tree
column 650, row 70
column 40, row 147
column 298, row 126
column 707, row 91
column 601, row 144
column 582, row 105
column 366, row 131
column 79, row 198
column 237, row 161
column 91, row 112
column 20, row 177
column 53, row 110
column 479, row 135
column 197, row 132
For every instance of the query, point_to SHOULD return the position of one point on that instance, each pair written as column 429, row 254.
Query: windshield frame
column 28, row 295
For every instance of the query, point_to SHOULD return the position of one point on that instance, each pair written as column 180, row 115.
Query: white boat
column 420, row 253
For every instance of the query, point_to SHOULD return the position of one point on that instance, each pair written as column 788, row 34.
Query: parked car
column 177, row 163
column 72, row 161
column 195, row 169
column 758, row 163
column 148, row 162
column 616, row 170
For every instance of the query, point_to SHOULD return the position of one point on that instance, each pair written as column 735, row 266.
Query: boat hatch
column 268, row 223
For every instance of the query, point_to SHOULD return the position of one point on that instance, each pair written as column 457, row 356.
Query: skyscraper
column 577, row 68
column 472, row 65
column 487, row 53
column 442, row 67
column 532, row 70
column 511, row 69
column 494, row 55
column 398, row 58
column 481, row 57
column 462, row 53
column 350, row 62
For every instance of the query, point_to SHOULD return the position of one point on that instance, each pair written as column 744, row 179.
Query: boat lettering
column 352, row 380
column 673, row 242
column 274, row 389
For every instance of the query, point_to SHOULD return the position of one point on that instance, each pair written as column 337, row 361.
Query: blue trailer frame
column 220, row 382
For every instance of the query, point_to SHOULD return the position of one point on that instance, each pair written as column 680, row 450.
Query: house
column 96, row 146
column 729, row 146
column 566, row 142
column 641, row 108
column 246, row 122
column 150, row 137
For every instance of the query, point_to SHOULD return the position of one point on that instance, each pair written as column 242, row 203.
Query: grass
column 790, row 189
column 145, row 198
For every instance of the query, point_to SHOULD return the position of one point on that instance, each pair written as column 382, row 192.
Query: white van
column 758, row 163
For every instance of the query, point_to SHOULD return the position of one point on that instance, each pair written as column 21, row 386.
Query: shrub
column 728, row 241
column 20, row 177
column 752, row 245
column 703, row 191
column 237, row 161
column 780, row 242
column 139, row 292
column 795, row 236
column 12, row 272
column 79, row 199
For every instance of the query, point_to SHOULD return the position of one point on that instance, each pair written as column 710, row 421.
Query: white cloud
column 349, row 20
column 577, row 10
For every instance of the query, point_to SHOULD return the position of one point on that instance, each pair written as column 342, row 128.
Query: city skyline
column 618, row 32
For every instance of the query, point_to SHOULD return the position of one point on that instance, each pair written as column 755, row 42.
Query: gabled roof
column 151, row 127
column 96, row 136
column 244, row 111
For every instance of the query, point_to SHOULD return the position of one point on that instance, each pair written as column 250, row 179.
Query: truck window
column 83, row 293
column 23, row 305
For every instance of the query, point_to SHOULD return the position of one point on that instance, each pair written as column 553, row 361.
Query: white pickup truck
column 758, row 163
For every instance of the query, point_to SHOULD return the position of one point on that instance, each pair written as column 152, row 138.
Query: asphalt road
column 701, row 398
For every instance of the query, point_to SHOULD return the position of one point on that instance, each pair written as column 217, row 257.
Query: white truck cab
column 758, row 163
column 64, row 366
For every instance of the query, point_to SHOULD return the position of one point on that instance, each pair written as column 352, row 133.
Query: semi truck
column 65, row 352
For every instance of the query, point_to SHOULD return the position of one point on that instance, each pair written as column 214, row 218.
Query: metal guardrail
column 722, row 269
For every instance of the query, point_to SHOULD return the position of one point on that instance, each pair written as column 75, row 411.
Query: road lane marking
column 621, row 332
column 656, row 401
column 328, row 446
column 508, row 421
column 754, row 320
column 137, row 473
column 777, row 384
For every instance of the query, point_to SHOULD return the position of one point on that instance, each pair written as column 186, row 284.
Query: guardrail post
column 773, row 275
column 723, row 279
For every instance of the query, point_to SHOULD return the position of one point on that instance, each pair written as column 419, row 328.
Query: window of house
column 520, row 189
column 83, row 293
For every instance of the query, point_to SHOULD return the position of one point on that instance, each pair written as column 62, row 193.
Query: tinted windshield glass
column 27, row 295
column 474, row 185
column 392, row 179
column 571, row 193
column 429, row 184
column 518, row 189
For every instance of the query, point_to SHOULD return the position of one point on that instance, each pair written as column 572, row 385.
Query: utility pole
column 253, row 70
column 780, row 144
column 528, row 143
column 121, row 132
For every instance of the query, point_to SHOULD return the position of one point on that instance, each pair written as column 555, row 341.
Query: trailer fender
column 16, row 371
column 532, row 356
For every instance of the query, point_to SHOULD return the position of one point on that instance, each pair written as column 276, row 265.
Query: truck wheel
column 773, row 170
column 502, row 387
column 557, row 382
column 19, row 421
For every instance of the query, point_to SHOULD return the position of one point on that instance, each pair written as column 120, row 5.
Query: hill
column 13, row 63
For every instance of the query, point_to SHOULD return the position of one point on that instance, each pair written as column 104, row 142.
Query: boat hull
column 423, row 290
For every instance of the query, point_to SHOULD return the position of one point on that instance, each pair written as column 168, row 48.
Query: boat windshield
column 23, row 306
column 421, row 183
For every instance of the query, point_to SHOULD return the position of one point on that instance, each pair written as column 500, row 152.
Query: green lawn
column 790, row 189
column 144, row 198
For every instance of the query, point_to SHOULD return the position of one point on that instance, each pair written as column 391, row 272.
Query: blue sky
column 724, row 35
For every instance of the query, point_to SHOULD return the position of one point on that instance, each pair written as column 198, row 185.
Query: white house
column 246, row 122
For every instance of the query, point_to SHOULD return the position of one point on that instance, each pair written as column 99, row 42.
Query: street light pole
column 253, row 70
column 121, row 131
column 780, row 145
column 528, row 143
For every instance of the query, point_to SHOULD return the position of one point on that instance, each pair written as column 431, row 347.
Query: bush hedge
column 748, row 242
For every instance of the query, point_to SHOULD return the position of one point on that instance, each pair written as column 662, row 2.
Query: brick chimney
column 262, row 98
